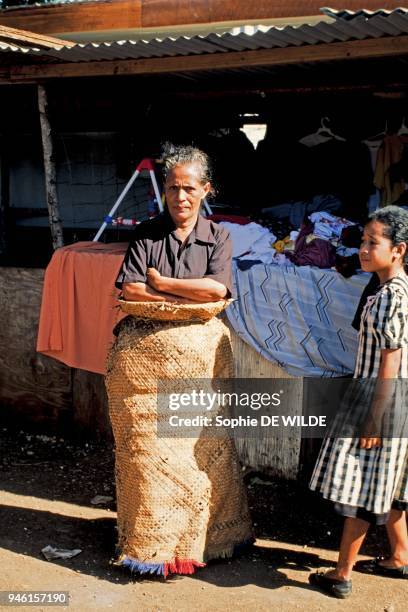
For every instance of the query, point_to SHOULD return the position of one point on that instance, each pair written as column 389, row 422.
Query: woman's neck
column 186, row 228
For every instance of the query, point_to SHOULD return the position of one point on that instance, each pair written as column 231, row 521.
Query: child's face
column 377, row 252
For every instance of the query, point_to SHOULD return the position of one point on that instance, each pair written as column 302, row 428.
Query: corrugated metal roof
column 347, row 14
column 346, row 25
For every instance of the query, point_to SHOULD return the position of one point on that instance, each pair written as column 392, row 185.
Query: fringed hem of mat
column 179, row 566
column 230, row 551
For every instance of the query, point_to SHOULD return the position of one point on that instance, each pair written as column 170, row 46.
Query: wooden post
column 4, row 193
column 50, row 171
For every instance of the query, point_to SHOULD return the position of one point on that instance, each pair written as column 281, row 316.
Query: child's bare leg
column 354, row 532
column 398, row 537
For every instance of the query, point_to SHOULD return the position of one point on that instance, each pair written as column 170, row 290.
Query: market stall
column 338, row 82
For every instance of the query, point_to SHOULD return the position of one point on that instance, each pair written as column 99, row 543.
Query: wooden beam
column 29, row 39
column 224, row 10
column 125, row 14
column 176, row 12
column 260, row 92
column 359, row 49
column 75, row 17
column 50, row 171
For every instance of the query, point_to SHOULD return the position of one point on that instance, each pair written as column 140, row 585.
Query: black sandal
column 336, row 588
column 373, row 566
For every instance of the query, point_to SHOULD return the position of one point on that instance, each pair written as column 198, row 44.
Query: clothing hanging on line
column 388, row 173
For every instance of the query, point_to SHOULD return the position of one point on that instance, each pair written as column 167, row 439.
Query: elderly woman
column 181, row 499
column 179, row 256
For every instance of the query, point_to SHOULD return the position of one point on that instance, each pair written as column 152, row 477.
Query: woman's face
column 184, row 193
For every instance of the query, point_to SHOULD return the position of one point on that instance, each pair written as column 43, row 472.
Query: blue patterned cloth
column 299, row 317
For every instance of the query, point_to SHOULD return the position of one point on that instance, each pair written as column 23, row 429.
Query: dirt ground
column 46, row 485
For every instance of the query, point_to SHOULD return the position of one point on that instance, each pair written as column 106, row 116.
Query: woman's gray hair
column 180, row 155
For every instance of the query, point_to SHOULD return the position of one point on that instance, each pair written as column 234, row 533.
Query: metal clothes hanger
column 323, row 134
column 403, row 131
column 379, row 136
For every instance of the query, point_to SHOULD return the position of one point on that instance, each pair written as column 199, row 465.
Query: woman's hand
column 154, row 278
column 369, row 443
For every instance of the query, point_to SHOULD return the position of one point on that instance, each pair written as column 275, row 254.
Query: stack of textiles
column 324, row 241
column 252, row 242
column 328, row 226
column 311, row 250
column 319, row 243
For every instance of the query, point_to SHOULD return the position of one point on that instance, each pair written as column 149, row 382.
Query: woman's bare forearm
column 141, row 292
column 196, row 289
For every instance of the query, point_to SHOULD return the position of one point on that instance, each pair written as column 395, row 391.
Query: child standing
column 367, row 478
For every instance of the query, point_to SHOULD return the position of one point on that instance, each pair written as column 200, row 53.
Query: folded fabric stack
column 328, row 226
column 252, row 242
column 324, row 241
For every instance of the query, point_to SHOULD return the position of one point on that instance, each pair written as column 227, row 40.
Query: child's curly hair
column 395, row 221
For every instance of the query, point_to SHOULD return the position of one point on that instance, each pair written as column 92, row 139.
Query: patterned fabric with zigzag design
column 299, row 317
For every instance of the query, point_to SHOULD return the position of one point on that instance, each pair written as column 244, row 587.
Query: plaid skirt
column 367, row 479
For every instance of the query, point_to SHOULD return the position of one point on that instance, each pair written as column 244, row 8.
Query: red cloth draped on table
column 78, row 310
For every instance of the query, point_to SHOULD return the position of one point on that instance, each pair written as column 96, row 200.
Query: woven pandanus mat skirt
column 180, row 500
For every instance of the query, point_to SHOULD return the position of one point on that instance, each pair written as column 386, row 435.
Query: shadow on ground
column 57, row 470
